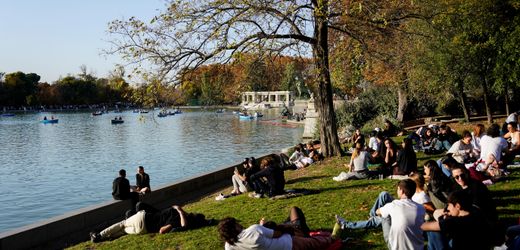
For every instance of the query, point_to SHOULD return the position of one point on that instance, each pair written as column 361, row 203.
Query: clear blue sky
column 54, row 38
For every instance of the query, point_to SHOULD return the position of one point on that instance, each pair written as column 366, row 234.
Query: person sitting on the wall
column 142, row 181
column 121, row 189
column 152, row 220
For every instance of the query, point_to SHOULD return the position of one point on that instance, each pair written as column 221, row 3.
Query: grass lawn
column 351, row 200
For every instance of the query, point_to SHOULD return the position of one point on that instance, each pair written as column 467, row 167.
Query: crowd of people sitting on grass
column 485, row 152
column 447, row 204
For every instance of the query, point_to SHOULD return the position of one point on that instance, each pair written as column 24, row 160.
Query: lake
column 50, row 169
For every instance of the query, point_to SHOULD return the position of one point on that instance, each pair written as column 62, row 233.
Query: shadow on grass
column 343, row 187
column 507, row 211
column 306, row 191
column 304, row 179
column 505, row 193
column 359, row 238
column 508, row 202
column 428, row 157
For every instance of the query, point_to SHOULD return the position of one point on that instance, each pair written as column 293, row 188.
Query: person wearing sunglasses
column 478, row 193
column 461, row 224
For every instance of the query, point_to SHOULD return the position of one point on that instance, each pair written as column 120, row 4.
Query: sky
column 53, row 38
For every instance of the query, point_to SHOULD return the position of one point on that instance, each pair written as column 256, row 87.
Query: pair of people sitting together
column 303, row 156
column 267, row 179
column 400, row 162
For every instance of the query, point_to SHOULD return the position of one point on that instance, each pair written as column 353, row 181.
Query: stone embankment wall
column 71, row 228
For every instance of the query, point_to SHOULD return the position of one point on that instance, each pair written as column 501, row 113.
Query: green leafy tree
column 19, row 87
column 256, row 72
column 291, row 79
column 470, row 49
column 76, row 91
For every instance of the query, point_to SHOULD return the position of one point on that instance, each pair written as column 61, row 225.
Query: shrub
column 375, row 101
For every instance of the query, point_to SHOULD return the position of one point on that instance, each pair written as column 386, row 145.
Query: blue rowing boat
column 246, row 117
column 49, row 121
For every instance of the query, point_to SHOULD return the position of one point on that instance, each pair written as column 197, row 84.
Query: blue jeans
column 374, row 221
column 445, row 145
column 436, row 241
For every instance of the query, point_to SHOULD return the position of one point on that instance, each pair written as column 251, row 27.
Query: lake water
column 50, row 169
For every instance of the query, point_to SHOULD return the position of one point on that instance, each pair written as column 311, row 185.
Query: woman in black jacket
column 406, row 159
column 270, row 180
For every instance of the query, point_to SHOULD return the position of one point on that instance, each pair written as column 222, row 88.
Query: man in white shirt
column 513, row 117
column 292, row 235
column 403, row 230
column 492, row 147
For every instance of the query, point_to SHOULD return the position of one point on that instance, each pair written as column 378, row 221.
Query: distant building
column 267, row 99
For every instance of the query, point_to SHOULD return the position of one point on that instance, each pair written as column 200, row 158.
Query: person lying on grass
column 292, row 234
column 151, row 220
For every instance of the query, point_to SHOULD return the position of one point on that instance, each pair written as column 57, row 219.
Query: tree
column 73, row 90
column 256, row 72
column 193, row 33
column 21, row 88
column 290, row 78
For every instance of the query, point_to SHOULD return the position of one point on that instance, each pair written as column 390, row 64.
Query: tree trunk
column 486, row 100
column 506, row 98
column 330, row 145
column 402, row 96
column 463, row 99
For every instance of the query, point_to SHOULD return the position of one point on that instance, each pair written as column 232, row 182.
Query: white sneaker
column 220, row 197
